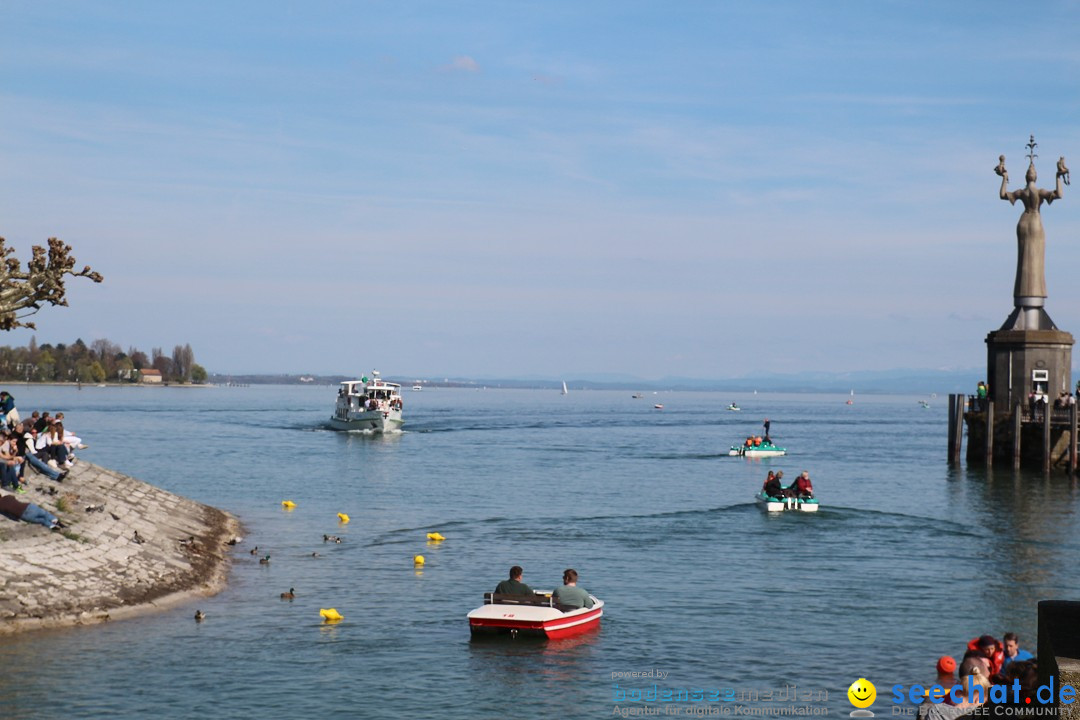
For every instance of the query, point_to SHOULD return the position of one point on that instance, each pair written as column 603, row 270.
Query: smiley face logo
column 862, row 693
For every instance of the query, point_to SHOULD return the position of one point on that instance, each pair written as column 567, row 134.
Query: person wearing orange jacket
column 991, row 649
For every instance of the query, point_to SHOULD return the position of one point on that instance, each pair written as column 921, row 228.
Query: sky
column 556, row 189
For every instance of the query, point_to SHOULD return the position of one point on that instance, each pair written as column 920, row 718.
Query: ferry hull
column 375, row 422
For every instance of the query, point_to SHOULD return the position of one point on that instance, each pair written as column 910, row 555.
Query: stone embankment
column 128, row 548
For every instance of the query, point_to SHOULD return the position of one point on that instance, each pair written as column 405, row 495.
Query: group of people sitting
column 801, row 489
column 986, row 662
column 41, row 443
column 567, row 596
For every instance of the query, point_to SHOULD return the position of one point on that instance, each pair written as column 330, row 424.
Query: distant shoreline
column 54, row 383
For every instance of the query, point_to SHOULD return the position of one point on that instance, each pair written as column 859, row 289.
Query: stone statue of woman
column 1030, row 288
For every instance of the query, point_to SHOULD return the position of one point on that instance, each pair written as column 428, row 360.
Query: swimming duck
column 331, row 538
column 199, row 616
column 289, row 595
column 255, row 550
column 265, row 560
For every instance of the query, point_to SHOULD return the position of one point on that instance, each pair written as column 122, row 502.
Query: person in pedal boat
column 773, row 487
column 569, row 595
column 803, row 488
column 514, row 586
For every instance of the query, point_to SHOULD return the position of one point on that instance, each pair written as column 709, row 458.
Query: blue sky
column 703, row 189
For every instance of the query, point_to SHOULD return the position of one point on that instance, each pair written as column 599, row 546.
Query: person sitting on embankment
column 10, row 463
column 50, row 447
column 25, row 441
column 73, row 441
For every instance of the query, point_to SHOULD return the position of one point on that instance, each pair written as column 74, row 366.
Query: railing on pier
column 1041, row 415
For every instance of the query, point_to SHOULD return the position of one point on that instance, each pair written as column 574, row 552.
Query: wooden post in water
column 1072, row 438
column 952, row 428
column 1046, row 437
column 960, row 405
column 1017, row 428
column 989, row 433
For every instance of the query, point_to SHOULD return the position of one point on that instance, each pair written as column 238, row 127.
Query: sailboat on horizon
column 851, row 399
column 564, row 390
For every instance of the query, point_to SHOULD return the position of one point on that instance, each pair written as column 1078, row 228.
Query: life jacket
column 998, row 657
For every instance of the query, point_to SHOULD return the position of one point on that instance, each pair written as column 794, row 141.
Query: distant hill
column 901, row 381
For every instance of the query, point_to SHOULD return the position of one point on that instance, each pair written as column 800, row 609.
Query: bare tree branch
column 23, row 292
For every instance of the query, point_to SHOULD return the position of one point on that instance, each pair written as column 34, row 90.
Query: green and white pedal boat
column 773, row 504
column 763, row 450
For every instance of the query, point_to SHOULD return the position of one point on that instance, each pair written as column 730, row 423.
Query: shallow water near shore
column 906, row 561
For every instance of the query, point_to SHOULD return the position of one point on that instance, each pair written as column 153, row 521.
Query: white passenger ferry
column 369, row 405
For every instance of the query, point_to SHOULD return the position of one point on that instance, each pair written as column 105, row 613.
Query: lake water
column 907, row 560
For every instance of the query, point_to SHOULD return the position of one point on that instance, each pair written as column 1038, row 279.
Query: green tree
column 125, row 369
column 46, row 366
column 24, row 291
column 198, row 374
column 97, row 372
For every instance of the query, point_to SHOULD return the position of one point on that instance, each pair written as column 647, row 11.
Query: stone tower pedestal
column 1022, row 362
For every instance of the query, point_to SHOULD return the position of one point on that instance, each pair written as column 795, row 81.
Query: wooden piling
column 1017, row 427
column 989, row 432
column 1072, row 438
column 1046, row 437
column 959, row 427
column 952, row 428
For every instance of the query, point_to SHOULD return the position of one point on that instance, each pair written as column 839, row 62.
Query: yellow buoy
column 418, row 560
column 435, row 537
column 288, row 504
column 331, row 615
column 343, row 518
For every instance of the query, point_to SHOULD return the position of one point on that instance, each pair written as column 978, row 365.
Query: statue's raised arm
column 1004, row 175
column 1062, row 175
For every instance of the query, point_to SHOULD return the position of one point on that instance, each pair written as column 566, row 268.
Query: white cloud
column 461, row 63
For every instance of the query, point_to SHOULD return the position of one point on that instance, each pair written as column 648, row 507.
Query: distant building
column 150, row 376
column 307, row 379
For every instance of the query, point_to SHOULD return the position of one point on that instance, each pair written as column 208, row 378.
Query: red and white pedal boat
column 536, row 616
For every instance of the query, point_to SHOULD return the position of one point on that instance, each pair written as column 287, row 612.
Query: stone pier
column 95, row 570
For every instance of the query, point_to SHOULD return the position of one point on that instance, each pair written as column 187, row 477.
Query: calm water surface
column 907, row 560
